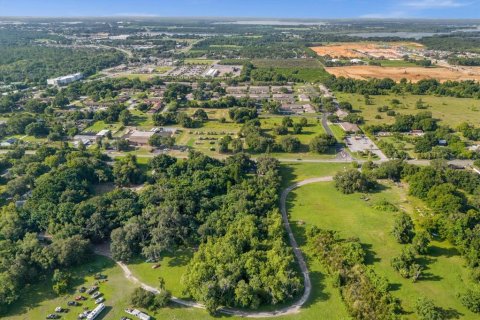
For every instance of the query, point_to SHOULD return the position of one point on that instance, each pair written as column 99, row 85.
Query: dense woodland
column 35, row 64
column 196, row 202
column 459, row 89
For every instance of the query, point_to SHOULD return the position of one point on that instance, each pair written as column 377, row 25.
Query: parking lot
column 361, row 143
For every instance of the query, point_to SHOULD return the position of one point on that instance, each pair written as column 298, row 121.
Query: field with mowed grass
column 449, row 110
column 444, row 276
column 39, row 300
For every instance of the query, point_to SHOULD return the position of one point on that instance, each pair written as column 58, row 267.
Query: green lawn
column 322, row 205
column 449, row 110
column 295, row 172
column 100, row 125
column 172, row 267
column 288, row 63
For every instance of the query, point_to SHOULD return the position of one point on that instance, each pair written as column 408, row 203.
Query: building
column 259, row 90
column 8, row 143
column 140, row 138
column 103, row 133
column 61, row 81
column 212, row 72
column 349, row 127
column 85, row 139
column 285, row 98
column 95, row 312
column 303, row 98
column 341, row 113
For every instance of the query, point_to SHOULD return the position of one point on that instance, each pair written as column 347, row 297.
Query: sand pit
column 391, row 50
column 413, row 74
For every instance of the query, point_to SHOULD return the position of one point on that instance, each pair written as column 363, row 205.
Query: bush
column 426, row 310
column 471, row 300
column 142, row 298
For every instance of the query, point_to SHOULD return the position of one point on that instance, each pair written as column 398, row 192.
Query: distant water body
column 274, row 23
column 407, row 35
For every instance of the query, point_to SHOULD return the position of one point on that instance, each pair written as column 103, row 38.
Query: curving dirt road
column 292, row 309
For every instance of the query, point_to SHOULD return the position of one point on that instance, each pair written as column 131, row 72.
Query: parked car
column 72, row 303
column 79, row 298
column 99, row 300
column 96, row 295
column 53, row 316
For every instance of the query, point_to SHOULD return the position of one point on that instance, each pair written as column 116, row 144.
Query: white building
column 61, row 81
column 212, row 72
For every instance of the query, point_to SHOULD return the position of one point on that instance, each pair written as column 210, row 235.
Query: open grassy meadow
column 320, row 204
column 449, row 110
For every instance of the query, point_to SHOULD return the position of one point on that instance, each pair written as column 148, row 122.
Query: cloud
column 431, row 4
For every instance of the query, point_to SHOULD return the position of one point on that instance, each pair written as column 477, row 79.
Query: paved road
column 292, row 309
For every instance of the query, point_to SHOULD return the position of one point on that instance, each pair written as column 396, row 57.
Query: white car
column 99, row 300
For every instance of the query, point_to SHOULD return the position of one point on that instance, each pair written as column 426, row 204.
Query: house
column 236, row 90
column 341, row 113
column 282, row 97
column 356, row 61
column 417, row 133
column 281, row 89
column 103, row 133
column 85, row 139
column 8, row 143
column 259, row 90
column 291, row 109
column 308, row 108
column 349, row 127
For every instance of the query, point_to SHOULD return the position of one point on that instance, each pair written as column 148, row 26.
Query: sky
column 245, row 8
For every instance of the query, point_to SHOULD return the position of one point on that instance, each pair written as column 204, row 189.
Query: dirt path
column 292, row 309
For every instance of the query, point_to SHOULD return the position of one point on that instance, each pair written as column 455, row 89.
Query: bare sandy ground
column 413, row 74
column 390, row 50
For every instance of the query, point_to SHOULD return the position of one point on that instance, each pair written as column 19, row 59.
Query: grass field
column 396, row 63
column 449, row 110
column 287, row 63
column 100, row 125
column 444, row 274
column 413, row 74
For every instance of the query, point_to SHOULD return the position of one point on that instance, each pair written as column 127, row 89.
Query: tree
column 281, row 130
column 351, row 180
column 224, row 143
column 125, row 117
column 287, row 121
column 290, row 144
column 36, row 129
column 303, row 122
column 142, row 298
column 61, row 280
column 427, row 310
column 297, row 128
column 127, row 172
column 420, row 242
column 403, row 228
column 200, row 115
column 158, row 140
column 321, row 143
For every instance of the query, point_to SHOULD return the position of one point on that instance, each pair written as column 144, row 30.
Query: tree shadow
column 425, row 261
column 394, row 286
column 370, row 255
column 436, row 251
column 450, row 313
